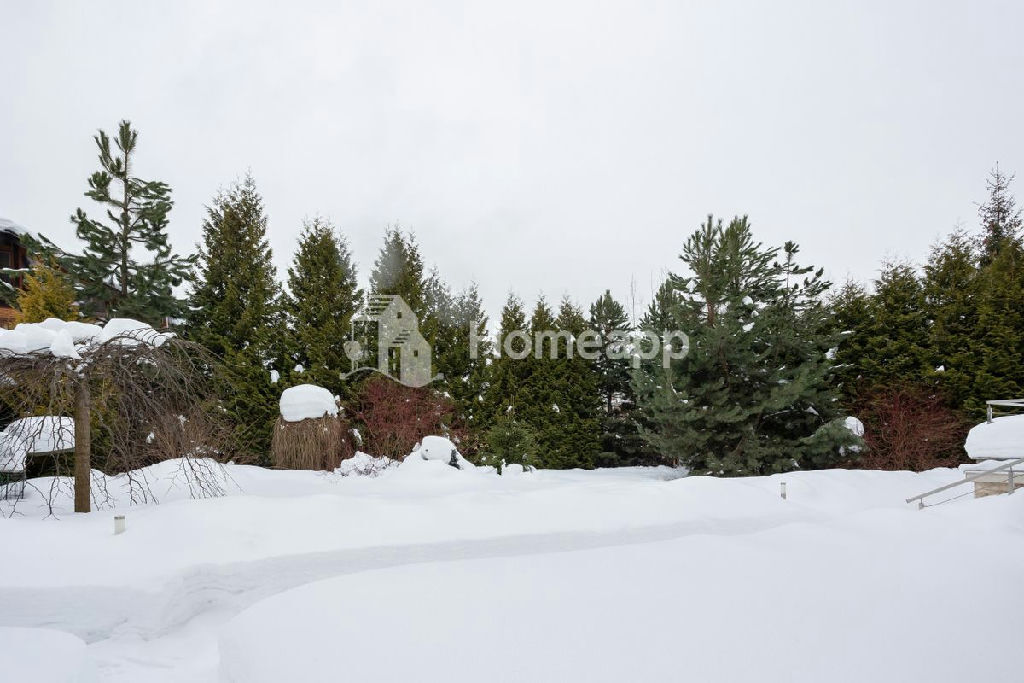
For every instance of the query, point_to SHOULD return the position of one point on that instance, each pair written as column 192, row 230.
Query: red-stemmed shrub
column 910, row 428
column 394, row 417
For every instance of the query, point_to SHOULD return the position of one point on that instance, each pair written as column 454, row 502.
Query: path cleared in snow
column 153, row 602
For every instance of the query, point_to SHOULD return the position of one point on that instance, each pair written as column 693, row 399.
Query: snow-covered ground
column 427, row 572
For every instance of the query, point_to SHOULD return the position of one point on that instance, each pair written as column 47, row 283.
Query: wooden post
column 83, row 466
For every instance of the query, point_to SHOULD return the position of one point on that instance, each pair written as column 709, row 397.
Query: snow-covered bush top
column 307, row 401
column 1000, row 439
column 67, row 339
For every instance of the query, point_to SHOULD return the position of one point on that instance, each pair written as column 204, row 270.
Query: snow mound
column 855, row 426
column 1000, row 439
column 80, row 332
column 131, row 333
column 438, row 448
column 364, row 465
column 307, row 401
column 43, row 655
column 66, row 338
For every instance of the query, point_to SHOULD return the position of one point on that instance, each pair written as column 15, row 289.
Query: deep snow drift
column 436, row 573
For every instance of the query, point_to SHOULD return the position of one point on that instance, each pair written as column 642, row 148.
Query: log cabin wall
column 12, row 255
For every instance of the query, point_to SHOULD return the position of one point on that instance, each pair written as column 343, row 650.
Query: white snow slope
column 427, row 572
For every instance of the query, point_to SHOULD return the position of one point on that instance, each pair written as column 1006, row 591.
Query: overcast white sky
column 545, row 147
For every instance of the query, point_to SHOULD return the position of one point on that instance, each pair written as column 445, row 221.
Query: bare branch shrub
column 311, row 444
column 910, row 428
column 395, row 417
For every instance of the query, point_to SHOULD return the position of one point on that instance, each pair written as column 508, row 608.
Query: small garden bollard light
column 118, row 524
column 782, row 490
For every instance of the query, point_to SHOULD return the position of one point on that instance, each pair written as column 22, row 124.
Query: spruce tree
column 998, row 340
column 897, row 336
column 465, row 370
column 1001, row 220
column 509, row 442
column 506, row 375
column 609, row 320
column 621, row 441
column 998, row 343
column 323, row 295
column 537, row 402
column 851, row 309
column 951, row 290
column 399, row 270
column 112, row 281
column 664, row 311
column 754, row 394
column 575, row 439
column 235, row 312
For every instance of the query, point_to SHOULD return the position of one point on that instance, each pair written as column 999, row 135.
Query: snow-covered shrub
column 310, row 434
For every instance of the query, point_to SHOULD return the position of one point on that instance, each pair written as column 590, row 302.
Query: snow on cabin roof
column 1000, row 439
column 7, row 225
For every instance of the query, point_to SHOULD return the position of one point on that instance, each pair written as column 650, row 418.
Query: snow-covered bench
column 27, row 438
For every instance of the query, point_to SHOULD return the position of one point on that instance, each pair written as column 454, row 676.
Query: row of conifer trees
column 777, row 358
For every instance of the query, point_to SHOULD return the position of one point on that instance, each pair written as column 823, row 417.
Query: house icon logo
column 403, row 354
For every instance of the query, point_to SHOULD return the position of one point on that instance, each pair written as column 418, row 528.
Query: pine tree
column 111, row 280
column 46, row 294
column 323, row 296
column 235, row 311
column 1001, row 220
column 754, row 394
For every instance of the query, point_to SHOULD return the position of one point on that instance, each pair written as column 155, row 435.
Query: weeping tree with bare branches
column 138, row 395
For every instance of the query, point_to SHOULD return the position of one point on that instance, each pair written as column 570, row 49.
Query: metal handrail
column 966, row 480
column 1002, row 403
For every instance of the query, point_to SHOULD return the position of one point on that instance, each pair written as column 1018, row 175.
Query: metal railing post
column 1010, row 479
